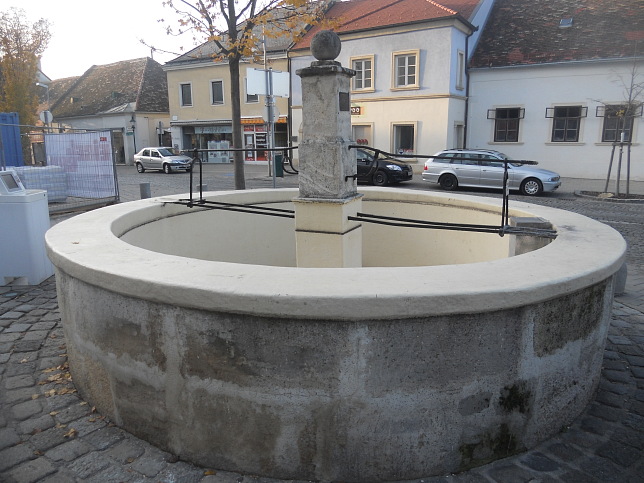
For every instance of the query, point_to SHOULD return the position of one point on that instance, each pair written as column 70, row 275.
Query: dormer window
column 564, row 23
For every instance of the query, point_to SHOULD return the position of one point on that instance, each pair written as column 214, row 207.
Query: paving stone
column 620, row 453
column 49, row 438
column 15, row 382
column 44, row 325
column 105, row 437
column 8, row 437
column 35, row 425
column 150, row 463
column 602, row 469
column 69, row 451
column 38, row 335
column 14, row 327
column 606, row 412
column 126, row 451
column 63, row 475
column 617, row 376
column 24, row 410
column 72, row 413
column 27, row 345
column 89, row 464
column 87, row 425
column 11, row 457
column 611, row 399
column 10, row 337
column 565, row 452
column 32, row 471
column 21, row 369
column 20, row 395
column 115, row 474
column 181, row 472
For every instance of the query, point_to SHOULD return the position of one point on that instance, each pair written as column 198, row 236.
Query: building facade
column 556, row 83
column 200, row 106
column 410, row 89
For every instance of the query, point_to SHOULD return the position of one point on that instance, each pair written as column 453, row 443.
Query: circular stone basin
column 192, row 329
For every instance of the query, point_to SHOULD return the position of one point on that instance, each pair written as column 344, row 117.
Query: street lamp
column 133, row 127
column 46, row 116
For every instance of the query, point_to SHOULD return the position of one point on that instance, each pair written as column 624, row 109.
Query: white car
column 483, row 168
column 162, row 159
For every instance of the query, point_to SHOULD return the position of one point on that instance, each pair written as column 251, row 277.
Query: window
column 403, row 138
column 460, row 73
column 216, row 92
column 616, row 122
column 506, row 123
column 363, row 79
column 406, row 70
column 185, row 92
column 566, row 121
column 251, row 98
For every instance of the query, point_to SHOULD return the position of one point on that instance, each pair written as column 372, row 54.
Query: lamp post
column 46, row 116
column 133, row 127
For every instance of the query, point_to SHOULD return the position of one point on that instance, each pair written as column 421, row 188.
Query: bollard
column 145, row 190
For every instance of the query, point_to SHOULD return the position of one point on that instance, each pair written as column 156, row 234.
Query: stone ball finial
column 326, row 45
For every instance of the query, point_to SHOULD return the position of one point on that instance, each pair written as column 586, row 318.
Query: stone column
column 328, row 196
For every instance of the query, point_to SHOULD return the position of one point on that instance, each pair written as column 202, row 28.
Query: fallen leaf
column 53, row 413
column 35, row 396
column 92, row 420
column 82, row 403
column 61, row 426
column 51, row 392
column 38, row 453
column 23, row 361
column 71, row 433
column 130, row 460
column 209, row 472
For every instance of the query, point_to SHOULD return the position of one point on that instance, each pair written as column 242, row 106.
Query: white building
column 409, row 94
column 550, row 80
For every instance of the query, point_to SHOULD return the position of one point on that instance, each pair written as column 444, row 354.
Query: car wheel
column 531, row 187
column 448, row 182
column 140, row 168
column 380, row 178
column 166, row 168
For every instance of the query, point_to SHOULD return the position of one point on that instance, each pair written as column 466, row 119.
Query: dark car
column 379, row 169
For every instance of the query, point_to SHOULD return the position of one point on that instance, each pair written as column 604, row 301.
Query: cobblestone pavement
column 49, row 434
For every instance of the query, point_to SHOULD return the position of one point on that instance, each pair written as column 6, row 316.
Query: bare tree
column 622, row 117
column 236, row 28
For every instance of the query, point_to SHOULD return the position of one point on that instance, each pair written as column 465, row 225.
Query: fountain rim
column 88, row 248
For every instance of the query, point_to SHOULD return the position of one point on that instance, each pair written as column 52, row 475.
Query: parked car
column 378, row 169
column 483, row 168
column 162, row 159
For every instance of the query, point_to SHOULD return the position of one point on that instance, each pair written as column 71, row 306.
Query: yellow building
column 200, row 106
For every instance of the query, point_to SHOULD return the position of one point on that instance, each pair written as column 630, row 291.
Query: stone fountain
column 291, row 348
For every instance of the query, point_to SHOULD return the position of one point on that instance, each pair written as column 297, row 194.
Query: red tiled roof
column 357, row 15
column 521, row 32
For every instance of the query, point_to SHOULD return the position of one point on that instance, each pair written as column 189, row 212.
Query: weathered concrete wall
column 329, row 399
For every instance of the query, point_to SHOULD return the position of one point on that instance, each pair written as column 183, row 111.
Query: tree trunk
column 238, row 156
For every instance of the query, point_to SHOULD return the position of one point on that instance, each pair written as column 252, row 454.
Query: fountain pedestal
column 328, row 192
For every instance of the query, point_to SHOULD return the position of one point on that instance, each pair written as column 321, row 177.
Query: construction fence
column 77, row 169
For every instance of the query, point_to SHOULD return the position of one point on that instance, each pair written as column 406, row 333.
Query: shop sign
column 356, row 110
column 213, row 129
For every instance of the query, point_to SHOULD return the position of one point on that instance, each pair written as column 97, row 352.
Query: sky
column 88, row 32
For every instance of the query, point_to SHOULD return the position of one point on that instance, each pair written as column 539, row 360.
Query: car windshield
column 166, row 152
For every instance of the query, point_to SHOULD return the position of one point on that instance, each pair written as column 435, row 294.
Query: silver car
column 483, row 168
column 163, row 159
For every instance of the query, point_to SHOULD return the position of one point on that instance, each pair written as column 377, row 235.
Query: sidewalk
column 49, row 434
